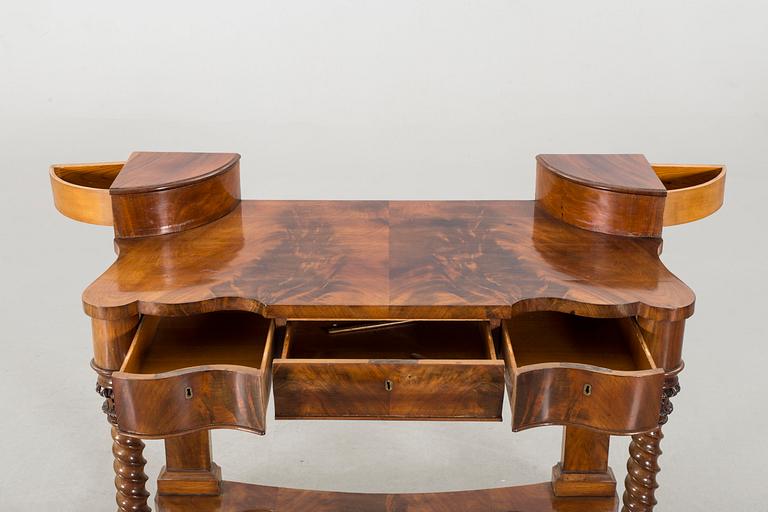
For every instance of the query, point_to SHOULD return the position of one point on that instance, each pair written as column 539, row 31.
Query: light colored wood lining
column 81, row 191
column 693, row 191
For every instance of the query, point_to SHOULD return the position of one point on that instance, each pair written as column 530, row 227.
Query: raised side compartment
column 693, row 191
column 414, row 370
column 595, row 373
column 183, row 374
column 159, row 193
column 151, row 193
column 81, row 191
column 613, row 194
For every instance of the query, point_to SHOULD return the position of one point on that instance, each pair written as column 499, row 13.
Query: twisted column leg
column 130, row 478
column 644, row 451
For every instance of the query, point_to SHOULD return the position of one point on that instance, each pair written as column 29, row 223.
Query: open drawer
column 693, row 191
column 589, row 372
column 189, row 373
column 81, row 191
column 408, row 370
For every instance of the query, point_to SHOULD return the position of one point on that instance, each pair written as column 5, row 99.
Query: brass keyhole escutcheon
column 388, row 385
column 188, row 393
column 587, row 389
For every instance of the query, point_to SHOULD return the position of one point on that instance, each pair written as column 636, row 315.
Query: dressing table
column 387, row 310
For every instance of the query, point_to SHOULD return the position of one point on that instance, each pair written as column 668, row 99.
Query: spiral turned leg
column 130, row 478
column 644, row 451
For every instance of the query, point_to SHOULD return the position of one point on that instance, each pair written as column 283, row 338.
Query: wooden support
column 189, row 468
column 583, row 468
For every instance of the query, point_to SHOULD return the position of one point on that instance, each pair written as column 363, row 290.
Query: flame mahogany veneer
column 406, row 310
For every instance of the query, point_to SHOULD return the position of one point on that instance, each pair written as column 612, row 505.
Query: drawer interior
column 551, row 337
column 676, row 177
column 446, row 340
column 163, row 344
column 89, row 175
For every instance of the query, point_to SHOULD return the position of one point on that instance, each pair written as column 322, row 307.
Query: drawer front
column 570, row 394
column 336, row 389
column 191, row 399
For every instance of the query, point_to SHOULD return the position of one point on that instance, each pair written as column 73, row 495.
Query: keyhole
column 388, row 385
column 587, row 389
column 188, row 393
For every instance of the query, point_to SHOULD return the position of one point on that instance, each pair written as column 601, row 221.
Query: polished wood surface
column 584, row 191
column 389, row 259
column 130, row 478
column 147, row 171
column 587, row 372
column 420, row 370
column 238, row 497
column 112, row 339
column 583, row 468
column 187, row 374
column 409, row 310
column 147, row 202
column 693, row 191
column 81, row 191
column 619, row 173
column 644, row 450
column 189, row 468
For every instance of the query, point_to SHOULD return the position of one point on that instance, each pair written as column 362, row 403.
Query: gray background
column 362, row 99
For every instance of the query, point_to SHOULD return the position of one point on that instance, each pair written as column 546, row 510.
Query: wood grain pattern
column 693, row 191
column 189, row 468
column 148, row 171
column 139, row 213
column 583, row 468
column 588, row 245
column 597, row 209
column 665, row 342
column 111, row 340
column 81, row 191
column 379, row 259
column 411, row 373
column 591, row 373
column 187, row 374
column 619, row 173
column 238, row 497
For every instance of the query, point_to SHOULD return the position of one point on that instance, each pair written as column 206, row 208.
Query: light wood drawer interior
column 188, row 373
column 413, row 370
column 81, row 191
column 572, row 370
column 693, row 191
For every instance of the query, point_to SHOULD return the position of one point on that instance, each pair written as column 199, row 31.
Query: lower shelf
column 239, row 497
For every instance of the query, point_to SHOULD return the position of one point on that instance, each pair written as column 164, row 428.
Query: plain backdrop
column 333, row 99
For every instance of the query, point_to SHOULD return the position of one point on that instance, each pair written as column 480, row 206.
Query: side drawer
column 81, row 191
column 590, row 372
column 408, row 371
column 190, row 373
column 693, row 191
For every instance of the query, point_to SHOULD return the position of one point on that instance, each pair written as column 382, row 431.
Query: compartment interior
column 677, row 177
column 550, row 337
column 403, row 340
column 91, row 176
column 163, row 344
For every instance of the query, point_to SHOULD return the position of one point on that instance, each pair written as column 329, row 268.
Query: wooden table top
column 389, row 259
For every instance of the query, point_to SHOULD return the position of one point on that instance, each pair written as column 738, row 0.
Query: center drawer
column 419, row 370
column 189, row 373
column 589, row 372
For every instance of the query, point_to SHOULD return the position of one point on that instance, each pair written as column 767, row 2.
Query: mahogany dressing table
column 387, row 310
